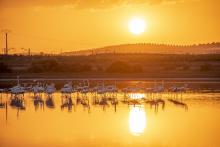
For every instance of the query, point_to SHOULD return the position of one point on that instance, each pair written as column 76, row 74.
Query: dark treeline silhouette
column 52, row 65
column 123, row 67
column 111, row 63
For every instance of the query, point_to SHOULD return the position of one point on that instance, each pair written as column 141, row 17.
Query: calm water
column 199, row 125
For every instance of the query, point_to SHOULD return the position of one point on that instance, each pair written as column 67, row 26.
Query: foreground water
column 125, row 125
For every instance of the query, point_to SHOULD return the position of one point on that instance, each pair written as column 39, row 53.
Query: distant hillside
column 210, row 48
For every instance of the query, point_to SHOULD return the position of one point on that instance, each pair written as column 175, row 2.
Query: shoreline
column 207, row 82
column 147, row 80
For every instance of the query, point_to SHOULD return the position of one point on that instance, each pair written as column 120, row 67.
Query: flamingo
column 67, row 88
column 50, row 89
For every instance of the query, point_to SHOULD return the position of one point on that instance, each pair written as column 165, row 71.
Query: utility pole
column 6, row 40
column 29, row 52
column 61, row 52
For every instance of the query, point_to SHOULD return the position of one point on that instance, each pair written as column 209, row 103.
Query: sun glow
column 137, row 120
column 137, row 26
column 137, row 95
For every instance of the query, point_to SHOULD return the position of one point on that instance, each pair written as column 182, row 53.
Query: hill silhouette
column 209, row 48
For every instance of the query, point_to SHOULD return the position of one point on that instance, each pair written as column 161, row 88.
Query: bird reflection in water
column 67, row 103
column 155, row 103
column 17, row 102
column 50, row 102
column 38, row 102
column 179, row 103
column 137, row 120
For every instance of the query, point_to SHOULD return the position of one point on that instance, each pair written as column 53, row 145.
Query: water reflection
column 18, row 102
column 179, row 103
column 137, row 120
column 130, row 126
column 50, row 102
column 155, row 103
column 38, row 102
column 67, row 102
column 137, row 95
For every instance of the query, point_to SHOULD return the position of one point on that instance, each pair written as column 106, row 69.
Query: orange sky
column 53, row 25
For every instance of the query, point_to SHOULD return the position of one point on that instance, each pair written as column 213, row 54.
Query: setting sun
column 137, row 26
column 109, row 73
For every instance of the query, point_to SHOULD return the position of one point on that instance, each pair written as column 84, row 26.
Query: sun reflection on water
column 137, row 120
column 137, row 95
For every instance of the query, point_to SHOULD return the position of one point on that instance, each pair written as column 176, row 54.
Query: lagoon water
column 142, row 125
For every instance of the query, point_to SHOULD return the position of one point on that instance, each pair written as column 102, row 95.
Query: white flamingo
column 67, row 88
column 50, row 89
column 17, row 90
column 38, row 89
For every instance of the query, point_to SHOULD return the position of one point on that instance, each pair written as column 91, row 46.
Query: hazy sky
column 52, row 25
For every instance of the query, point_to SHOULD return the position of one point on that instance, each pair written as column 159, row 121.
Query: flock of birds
column 100, row 94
